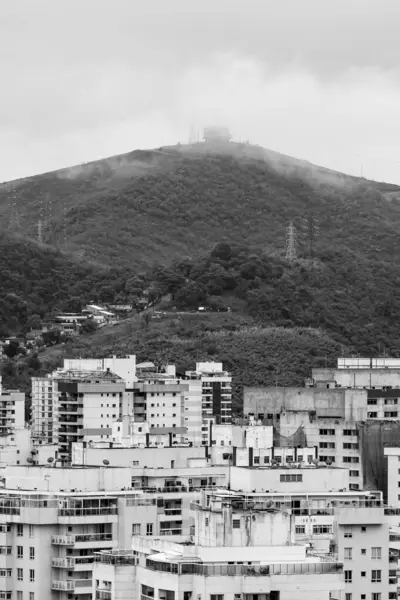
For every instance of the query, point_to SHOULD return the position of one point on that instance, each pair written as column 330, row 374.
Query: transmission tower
column 291, row 240
column 40, row 231
column 311, row 228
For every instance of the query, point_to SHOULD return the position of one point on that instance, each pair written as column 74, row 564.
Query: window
column 20, row 595
column 351, row 459
column 354, row 473
column 327, row 444
column 236, row 524
column 376, row 576
column 391, row 415
column 363, row 573
column 326, row 432
column 256, row 460
column 266, row 459
column 31, row 575
column 300, row 530
column 350, row 446
column 348, row 596
column 376, row 552
column 286, row 478
column 348, row 533
column 376, row 596
column 20, row 574
column 372, row 401
column 20, row 530
column 363, row 551
column 31, row 553
column 348, row 576
column 363, row 529
column 149, row 529
column 348, row 553
column 20, row 552
column 350, row 432
column 31, row 595
column 31, row 531
column 216, row 597
column 391, row 401
column 372, row 415
column 327, row 459
column 322, row 529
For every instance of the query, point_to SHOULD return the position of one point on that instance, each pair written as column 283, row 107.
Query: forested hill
column 148, row 207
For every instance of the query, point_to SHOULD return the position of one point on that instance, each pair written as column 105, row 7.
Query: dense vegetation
column 37, row 280
column 256, row 355
column 154, row 207
column 209, row 229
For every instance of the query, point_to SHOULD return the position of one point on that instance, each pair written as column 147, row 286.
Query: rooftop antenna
column 291, row 239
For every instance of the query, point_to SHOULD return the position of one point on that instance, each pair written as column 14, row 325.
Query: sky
column 86, row 79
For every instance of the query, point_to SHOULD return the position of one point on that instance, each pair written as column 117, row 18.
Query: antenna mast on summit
column 291, row 240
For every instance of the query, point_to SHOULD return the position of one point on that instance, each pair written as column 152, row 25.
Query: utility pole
column 291, row 239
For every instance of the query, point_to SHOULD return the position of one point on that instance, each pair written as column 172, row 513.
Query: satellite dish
column 106, row 462
column 50, row 459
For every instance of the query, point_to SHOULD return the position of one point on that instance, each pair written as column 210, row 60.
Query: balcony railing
column 63, row 540
column 170, row 531
column 316, row 568
column 93, row 537
column 70, row 540
column 63, row 563
column 86, row 512
column 103, row 595
column 118, row 557
column 63, row 586
column 173, row 511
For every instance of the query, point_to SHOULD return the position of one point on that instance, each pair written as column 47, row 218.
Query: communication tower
column 291, row 240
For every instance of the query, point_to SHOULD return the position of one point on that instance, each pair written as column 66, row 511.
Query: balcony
column 103, row 595
column 90, row 539
column 172, row 511
column 63, row 563
column 220, row 570
column 170, row 531
column 63, row 586
column 63, row 540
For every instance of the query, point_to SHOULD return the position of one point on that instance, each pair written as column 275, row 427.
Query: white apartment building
column 72, row 406
column 216, row 395
column 166, row 402
column 53, row 520
column 363, row 546
column 392, row 455
column 234, row 553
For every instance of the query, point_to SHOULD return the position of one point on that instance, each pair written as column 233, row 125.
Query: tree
column 11, row 349
column 33, row 322
column 88, row 326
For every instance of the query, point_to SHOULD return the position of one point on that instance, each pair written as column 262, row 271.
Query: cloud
column 140, row 77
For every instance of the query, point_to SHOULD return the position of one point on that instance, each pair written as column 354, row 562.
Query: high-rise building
column 216, row 402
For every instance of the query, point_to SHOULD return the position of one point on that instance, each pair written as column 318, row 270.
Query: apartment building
column 169, row 403
column 216, row 400
column 392, row 455
column 53, row 520
column 235, row 552
column 370, row 571
column 12, row 410
column 327, row 419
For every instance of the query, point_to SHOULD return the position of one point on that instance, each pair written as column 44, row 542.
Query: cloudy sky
column 85, row 79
